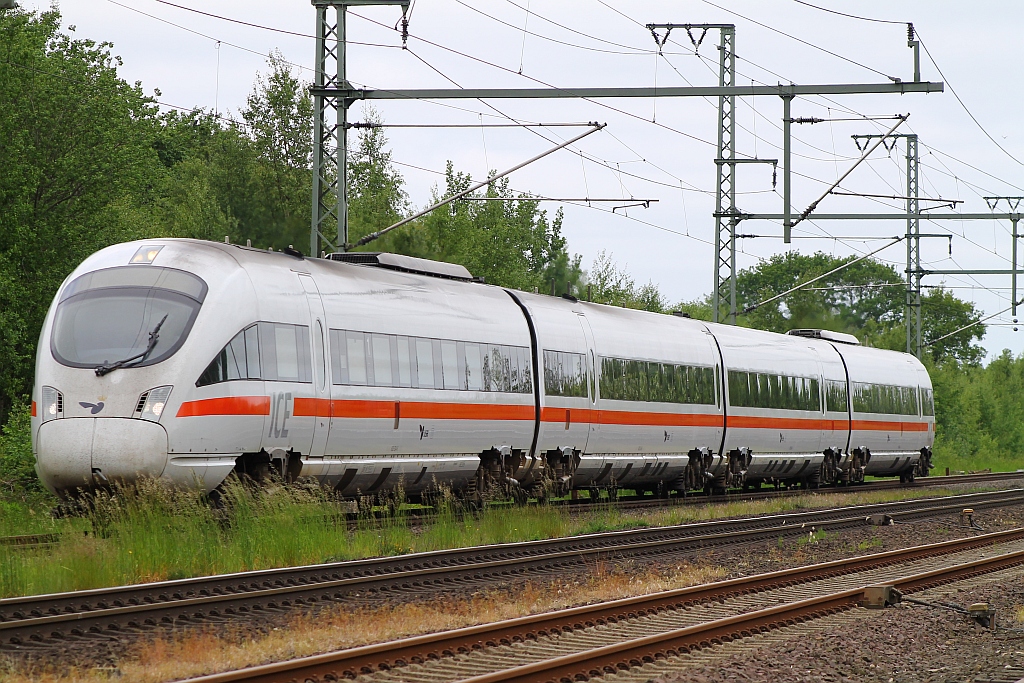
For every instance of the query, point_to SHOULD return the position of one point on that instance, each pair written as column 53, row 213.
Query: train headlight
column 53, row 404
column 153, row 403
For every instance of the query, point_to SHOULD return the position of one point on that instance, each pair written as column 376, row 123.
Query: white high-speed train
column 187, row 360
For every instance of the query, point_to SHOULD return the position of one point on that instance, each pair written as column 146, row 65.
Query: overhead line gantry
column 333, row 93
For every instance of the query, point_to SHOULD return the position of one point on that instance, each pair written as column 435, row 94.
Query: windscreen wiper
column 154, row 336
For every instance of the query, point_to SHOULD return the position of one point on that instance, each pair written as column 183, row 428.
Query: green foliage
column 279, row 117
column 855, row 300
column 698, row 309
column 610, row 284
column 77, row 171
column 979, row 414
column 509, row 243
column 150, row 532
column 17, row 465
column 866, row 299
column 376, row 193
column 943, row 314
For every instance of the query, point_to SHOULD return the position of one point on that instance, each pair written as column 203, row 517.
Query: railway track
column 594, row 640
column 638, row 502
column 34, row 621
column 29, row 541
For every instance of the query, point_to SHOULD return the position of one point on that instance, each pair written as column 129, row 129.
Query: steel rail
column 643, row 502
column 29, row 540
column 636, row 652
column 186, row 601
column 640, row 502
column 366, row 659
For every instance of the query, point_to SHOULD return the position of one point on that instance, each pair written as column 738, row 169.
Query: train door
column 321, row 380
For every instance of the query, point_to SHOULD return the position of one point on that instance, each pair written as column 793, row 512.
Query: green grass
column 997, row 462
column 153, row 533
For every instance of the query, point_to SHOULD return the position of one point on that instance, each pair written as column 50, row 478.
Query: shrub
column 17, row 464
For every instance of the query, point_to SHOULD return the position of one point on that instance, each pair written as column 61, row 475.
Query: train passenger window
column 637, row 380
column 886, row 399
column 424, row 364
column 474, row 368
column 497, row 372
column 836, row 396
column 565, row 374
column 381, row 346
column 927, row 402
column 252, row 351
column 450, row 365
column 355, row 345
column 780, row 392
column 717, row 390
column 386, row 360
column 285, row 352
column 339, row 356
column 404, row 364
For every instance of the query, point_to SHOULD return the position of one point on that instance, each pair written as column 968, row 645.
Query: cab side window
column 232, row 362
column 271, row 351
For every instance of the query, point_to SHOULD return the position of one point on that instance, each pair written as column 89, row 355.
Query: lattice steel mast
column 330, row 127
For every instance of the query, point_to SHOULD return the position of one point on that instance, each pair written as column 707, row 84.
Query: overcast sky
column 660, row 149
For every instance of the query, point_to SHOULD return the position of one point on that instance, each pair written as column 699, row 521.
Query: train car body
column 188, row 360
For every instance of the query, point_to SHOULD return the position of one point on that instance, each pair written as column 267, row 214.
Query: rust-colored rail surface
column 370, row 658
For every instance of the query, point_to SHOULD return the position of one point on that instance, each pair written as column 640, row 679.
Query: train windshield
column 108, row 315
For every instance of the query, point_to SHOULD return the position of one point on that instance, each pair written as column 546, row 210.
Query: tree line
column 88, row 160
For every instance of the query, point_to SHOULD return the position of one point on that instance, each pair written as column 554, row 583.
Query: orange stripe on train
column 627, row 417
column 322, row 407
column 228, row 405
column 424, row 410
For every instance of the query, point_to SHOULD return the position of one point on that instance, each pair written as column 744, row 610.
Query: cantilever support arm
column 473, row 188
column 867, row 152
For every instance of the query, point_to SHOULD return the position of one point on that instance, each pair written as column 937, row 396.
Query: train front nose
column 80, row 453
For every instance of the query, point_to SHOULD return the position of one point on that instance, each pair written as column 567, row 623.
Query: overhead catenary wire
column 582, row 154
column 799, row 40
column 472, row 188
column 789, row 291
column 209, row 37
column 588, row 206
column 645, row 179
column 850, row 16
column 964, row 104
column 375, row 124
column 970, row 325
column 545, row 84
column 934, row 63
column 850, row 170
column 548, row 38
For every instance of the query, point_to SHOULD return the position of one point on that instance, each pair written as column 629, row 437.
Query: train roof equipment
column 406, row 264
column 838, row 337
